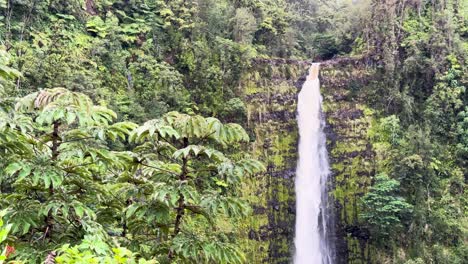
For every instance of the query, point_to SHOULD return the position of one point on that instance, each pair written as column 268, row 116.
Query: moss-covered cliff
column 271, row 94
column 271, row 90
column 350, row 152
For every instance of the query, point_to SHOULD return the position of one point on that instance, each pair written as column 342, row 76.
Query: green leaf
column 79, row 210
column 4, row 231
column 131, row 210
column 12, row 168
column 25, row 171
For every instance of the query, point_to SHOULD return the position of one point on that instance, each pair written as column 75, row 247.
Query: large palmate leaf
column 194, row 128
column 22, row 213
column 119, row 130
column 188, row 126
column 251, row 166
column 35, row 173
column 52, row 98
column 66, row 107
column 15, row 121
column 191, row 126
column 197, row 150
column 226, row 133
column 200, row 249
column 166, row 194
column 234, row 171
column 12, row 142
column 233, row 133
column 226, row 205
column 153, row 129
column 160, row 171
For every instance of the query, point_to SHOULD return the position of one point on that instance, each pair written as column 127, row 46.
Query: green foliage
column 415, row 261
column 186, row 186
column 54, row 179
column 4, row 231
column 446, row 100
column 418, row 136
column 6, row 73
column 158, row 56
column 90, row 251
column 244, row 25
column 207, row 250
column 462, row 132
column 68, row 172
column 383, row 209
column 387, row 130
column 63, row 183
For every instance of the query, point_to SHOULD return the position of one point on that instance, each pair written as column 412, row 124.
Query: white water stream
column 311, row 177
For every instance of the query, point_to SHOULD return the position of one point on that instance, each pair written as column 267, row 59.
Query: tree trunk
column 91, row 7
column 181, row 202
column 55, row 145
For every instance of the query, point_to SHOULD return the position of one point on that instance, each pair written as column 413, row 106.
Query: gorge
column 233, row 131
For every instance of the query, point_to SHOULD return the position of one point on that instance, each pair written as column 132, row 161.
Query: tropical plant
column 53, row 181
column 6, row 72
column 5, row 251
column 91, row 251
column 181, row 191
column 383, row 209
column 63, row 183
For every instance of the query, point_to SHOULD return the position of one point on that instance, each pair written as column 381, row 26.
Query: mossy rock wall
column 350, row 151
column 270, row 93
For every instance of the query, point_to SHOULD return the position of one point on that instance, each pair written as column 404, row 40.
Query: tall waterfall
column 311, row 242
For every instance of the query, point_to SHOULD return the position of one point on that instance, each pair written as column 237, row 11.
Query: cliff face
column 271, row 90
column 350, row 153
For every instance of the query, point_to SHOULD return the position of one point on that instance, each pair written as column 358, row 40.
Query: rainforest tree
column 65, row 181
column 159, row 178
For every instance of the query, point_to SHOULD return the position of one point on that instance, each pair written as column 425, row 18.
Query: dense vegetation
column 67, row 175
column 421, row 135
column 82, row 182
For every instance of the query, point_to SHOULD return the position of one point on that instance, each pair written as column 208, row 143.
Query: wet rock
column 351, row 114
column 349, row 148
column 253, row 235
column 285, row 174
column 259, row 210
column 358, row 232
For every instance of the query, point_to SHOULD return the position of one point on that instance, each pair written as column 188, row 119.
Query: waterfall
column 311, row 243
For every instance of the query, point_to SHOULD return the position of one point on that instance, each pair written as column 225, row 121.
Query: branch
column 77, row 139
column 80, row 165
column 207, row 170
column 204, row 137
column 156, row 168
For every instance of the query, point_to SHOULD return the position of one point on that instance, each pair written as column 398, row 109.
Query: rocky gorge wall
column 270, row 93
column 350, row 152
